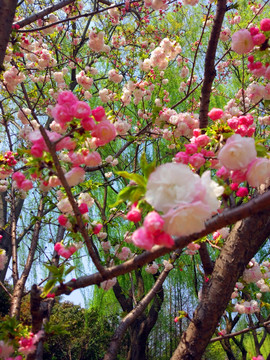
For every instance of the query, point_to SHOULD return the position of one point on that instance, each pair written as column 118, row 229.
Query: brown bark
column 7, row 13
column 209, row 68
column 242, row 244
column 228, row 217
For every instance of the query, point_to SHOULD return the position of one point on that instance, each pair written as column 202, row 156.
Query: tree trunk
column 244, row 241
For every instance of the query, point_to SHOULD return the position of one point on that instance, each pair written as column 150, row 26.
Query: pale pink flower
column 106, row 245
column 124, row 254
column 93, row 159
column 153, row 222
column 258, row 172
column 152, row 268
column 237, row 153
column 5, row 349
column 242, row 42
column 143, row 239
column 108, row 284
column 75, row 176
column 104, row 132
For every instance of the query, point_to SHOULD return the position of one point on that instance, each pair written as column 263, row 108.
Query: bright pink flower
column 66, row 143
column 191, row 148
column 234, row 186
column 265, row 25
column 99, row 113
column 242, row 192
column 196, row 132
column 62, row 114
column 81, row 110
column 164, row 239
column 216, row 235
column 18, row 177
column 259, row 39
column 104, row 132
column 153, row 223
column 66, row 98
column 176, row 319
column 134, row 214
column 215, row 114
column 58, row 246
column 242, row 42
column 88, row 123
column 62, row 219
column 223, row 173
column 259, row 357
column 182, row 157
column 83, row 208
column 75, row 176
column 27, row 345
column 50, row 296
column 76, row 158
column 233, row 123
column 93, row 159
column 65, row 253
column 238, row 176
column 143, row 239
column 37, row 150
column 197, row 160
column 26, row 185
column 202, row 140
column 97, row 228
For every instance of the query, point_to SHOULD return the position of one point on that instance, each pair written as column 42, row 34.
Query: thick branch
column 7, row 14
column 42, row 13
column 228, row 217
column 209, row 69
column 244, row 241
column 133, row 315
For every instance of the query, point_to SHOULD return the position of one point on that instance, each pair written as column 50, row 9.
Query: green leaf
column 147, row 168
column 69, row 270
column 261, row 149
column 53, row 269
column 137, row 178
column 48, row 287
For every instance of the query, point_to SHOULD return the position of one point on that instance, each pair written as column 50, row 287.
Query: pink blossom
column 238, row 176
column 233, row 123
column 258, row 39
column 97, row 228
column 215, row 114
column 104, row 132
column 108, row 284
column 259, row 357
column 265, row 24
column 242, row 192
column 5, row 349
column 66, row 143
column 124, row 254
column 134, row 214
column 58, row 246
column 37, row 150
column 88, row 123
column 66, row 98
column 258, row 172
column 237, row 153
column 242, row 42
column 62, row 114
column 182, row 157
column 153, row 223
column 186, row 219
column 99, row 113
column 93, row 159
column 191, row 148
column 81, row 110
column 143, row 239
column 83, row 208
column 223, row 173
column 234, row 186
column 75, row 176
column 202, row 140
column 106, row 245
column 18, row 177
column 164, row 239
column 152, row 268
column 62, row 219
column 197, row 160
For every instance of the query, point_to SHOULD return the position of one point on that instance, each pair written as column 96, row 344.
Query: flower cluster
column 170, row 189
column 67, row 251
column 152, row 233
